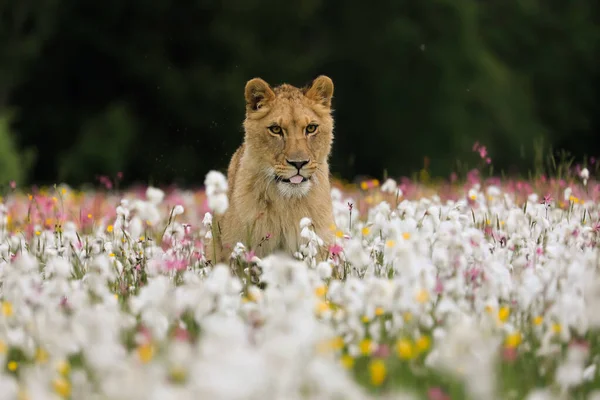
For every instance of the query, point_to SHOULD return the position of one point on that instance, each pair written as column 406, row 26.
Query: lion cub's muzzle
column 297, row 175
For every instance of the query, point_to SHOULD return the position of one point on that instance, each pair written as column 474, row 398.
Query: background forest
column 154, row 90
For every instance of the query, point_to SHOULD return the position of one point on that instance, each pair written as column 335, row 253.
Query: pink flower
column 176, row 265
column 509, row 354
column 335, row 249
column 145, row 334
column 382, row 351
column 436, row 393
column 181, row 334
column 439, row 286
column 473, row 273
column 13, row 185
column 250, row 255
column 482, row 152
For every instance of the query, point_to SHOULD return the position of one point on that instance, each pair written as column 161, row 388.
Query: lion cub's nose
column 298, row 164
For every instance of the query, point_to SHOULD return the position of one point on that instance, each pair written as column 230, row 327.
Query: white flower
column 324, row 269
column 58, row 266
column 584, row 174
column 178, row 210
column 589, row 373
column 389, row 186
column 305, row 222
column 216, row 192
column 154, row 195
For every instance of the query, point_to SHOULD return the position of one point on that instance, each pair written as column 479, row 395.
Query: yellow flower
column 178, row 374
column 321, row 290
column 89, row 216
column 365, row 231
column 363, row 185
column 379, row 311
column 513, row 340
column 377, row 371
column 423, row 343
column 406, row 235
column 22, row 395
column 337, row 343
column 503, row 313
column 322, row 307
column 405, row 349
column 407, row 316
column 12, row 365
column 489, row 309
column 538, row 320
column 62, row 387
column 63, row 191
column 111, row 255
column 390, row 243
column 63, row 367
column 339, row 234
column 109, row 228
column 41, row 355
column 145, row 352
column 7, row 308
column 365, row 319
column 3, row 347
column 422, row 296
column 556, row 328
column 347, row 361
column 365, row 346
column 38, row 233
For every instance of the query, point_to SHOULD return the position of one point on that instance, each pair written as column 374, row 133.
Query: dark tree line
column 155, row 89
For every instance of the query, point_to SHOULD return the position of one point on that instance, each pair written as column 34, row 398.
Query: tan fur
column 258, row 203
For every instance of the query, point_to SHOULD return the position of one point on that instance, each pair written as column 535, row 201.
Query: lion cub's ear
column 257, row 93
column 321, row 90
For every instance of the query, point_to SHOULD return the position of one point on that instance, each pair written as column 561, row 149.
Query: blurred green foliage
column 155, row 89
column 14, row 164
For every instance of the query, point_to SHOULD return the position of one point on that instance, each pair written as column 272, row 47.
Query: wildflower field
column 484, row 289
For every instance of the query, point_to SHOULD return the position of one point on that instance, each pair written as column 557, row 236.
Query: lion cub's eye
column 275, row 129
column 312, row 128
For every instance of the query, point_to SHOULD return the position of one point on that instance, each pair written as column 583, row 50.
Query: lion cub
column 280, row 173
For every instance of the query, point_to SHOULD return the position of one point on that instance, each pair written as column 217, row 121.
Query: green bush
column 102, row 148
column 14, row 165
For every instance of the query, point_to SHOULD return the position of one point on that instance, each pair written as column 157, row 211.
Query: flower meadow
column 486, row 289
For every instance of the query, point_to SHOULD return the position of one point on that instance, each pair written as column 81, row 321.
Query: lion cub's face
column 289, row 132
